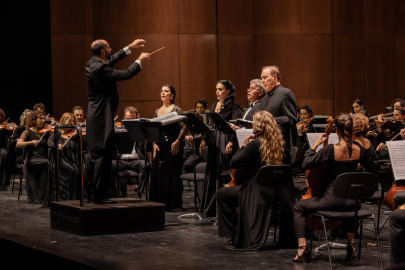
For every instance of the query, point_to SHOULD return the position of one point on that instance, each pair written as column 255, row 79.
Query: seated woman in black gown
column 340, row 158
column 68, row 160
column 360, row 125
column 170, row 154
column 4, row 159
column 36, row 163
column 254, row 201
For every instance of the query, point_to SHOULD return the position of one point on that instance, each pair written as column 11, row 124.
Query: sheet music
column 333, row 139
column 167, row 119
column 396, row 150
column 241, row 134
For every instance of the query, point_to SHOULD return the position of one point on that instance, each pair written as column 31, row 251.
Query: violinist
column 18, row 155
column 398, row 115
column 79, row 114
column 39, row 107
column 339, row 158
column 68, row 160
column 305, row 123
column 397, row 103
column 36, row 163
column 396, row 221
column 360, row 124
column 4, row 160
column 136, row 160
column 254, row 210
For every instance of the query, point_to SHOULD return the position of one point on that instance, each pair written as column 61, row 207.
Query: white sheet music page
column 169, row 118
column 396, row 150
column 333, row 139
column 241, row 134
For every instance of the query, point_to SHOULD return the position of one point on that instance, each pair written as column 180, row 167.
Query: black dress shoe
column 106, row 201
column 137, row 196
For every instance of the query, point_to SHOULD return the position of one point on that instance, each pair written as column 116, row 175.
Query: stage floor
column 184, row 244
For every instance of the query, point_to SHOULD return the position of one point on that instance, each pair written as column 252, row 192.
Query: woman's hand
column 235, row 127
column 155, row 148
column 60, row 146
column 320, row 140
column 175, row 147
column 35, row 143
column 372, row 133
column 402, row 133
column 300, row 129
column 202, row 145
column 380, row 117
column 189, row 138
column 380, row 146
column 247, row 140
column 228, row 148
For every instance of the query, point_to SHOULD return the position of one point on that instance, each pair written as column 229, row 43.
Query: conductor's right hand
column 155, row 148
column 144, row 56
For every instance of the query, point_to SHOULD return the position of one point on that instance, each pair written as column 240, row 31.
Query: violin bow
column 70, row 137
column 46, row 130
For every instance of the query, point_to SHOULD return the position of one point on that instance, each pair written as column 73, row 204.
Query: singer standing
column 103, row 98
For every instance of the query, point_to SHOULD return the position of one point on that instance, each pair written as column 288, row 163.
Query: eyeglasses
column 251, row 89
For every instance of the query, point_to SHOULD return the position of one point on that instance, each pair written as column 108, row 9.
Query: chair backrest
column 274, row 175
column 346, row 185
column 204, row 154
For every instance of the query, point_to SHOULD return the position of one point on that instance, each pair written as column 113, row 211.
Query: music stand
column 123, row 145
column 195, row 125
column 138, row 134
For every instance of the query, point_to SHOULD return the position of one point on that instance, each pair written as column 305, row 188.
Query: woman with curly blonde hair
column 254, row 201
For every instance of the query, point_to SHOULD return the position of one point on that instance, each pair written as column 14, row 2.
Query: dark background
column 26, row 76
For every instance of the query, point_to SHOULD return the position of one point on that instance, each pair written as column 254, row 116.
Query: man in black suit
column 103, row 102
column 280, row 102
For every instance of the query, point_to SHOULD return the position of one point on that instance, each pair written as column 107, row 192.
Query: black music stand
column 138, row 134
column 123, row 145
column 195, row 125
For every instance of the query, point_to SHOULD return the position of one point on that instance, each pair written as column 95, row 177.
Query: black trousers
column 99, row 170
column 188, row 165
column 328, row 202
column 228, row 200
column 397, row 236
column 137, row 165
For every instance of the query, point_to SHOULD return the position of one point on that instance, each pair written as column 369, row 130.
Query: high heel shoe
column 304, row 254
column 350, row 254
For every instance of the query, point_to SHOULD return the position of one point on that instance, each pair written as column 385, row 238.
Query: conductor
column 103, row 99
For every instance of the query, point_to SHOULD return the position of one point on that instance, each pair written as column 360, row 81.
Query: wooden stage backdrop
column 330, row 52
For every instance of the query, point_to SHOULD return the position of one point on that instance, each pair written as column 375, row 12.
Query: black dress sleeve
column 245, row 154
column 313, row 160
column 237, row 111
column 25, row 136
column 51, row 141
column 184, row 128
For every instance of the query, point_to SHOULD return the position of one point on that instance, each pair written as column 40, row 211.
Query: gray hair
column 273, row 70
column 260, row 86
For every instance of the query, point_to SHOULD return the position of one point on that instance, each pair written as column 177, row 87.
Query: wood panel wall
column 330, row 52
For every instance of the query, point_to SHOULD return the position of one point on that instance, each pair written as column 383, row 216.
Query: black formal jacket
column 280, row 102
column 103, row 97
column 254, row 110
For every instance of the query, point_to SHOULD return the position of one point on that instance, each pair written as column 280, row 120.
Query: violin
column 391, row 125
column 235, row 173
column 304, row 123
column 8, row 126
column 46, row 129
column 117, row 124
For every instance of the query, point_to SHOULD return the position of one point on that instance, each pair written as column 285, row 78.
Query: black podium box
column 126, row 216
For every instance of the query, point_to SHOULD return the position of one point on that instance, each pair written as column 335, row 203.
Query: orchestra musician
column 4, row 160
column 305, row 124
column 136, row 160
column 36, row 163
column 201, row 105
column 252, row 199
column 79, row 114
column 357, row 106
column 396, row 221
column 69, row 160
column 360, row 125
column 17, row 156
column 188, row 154
column 39, row 107
column 168, row 157
column 103, row 98
column 220, row 145
column 397, row 103
column 280, row 102
column 339, row 158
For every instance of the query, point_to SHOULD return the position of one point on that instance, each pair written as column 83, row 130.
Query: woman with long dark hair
column 167, row 187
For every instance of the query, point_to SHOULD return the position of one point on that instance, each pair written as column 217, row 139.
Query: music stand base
column 193, row 215
column 332, row 245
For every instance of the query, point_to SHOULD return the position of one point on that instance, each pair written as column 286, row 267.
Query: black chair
column 274, row 176
column 124, row 178
column 358, row 186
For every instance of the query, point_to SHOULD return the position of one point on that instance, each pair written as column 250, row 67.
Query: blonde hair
column 360, row 123
column 23, row 118
column 65, row 120
column 271, row 140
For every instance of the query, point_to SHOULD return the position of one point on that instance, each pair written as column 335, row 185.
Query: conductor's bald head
column 101, row 48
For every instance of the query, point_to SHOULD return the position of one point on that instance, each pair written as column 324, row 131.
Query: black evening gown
column 36, row 167
column 167, row 187
column 68, row 168
column 4, row 160
column 217, row 160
